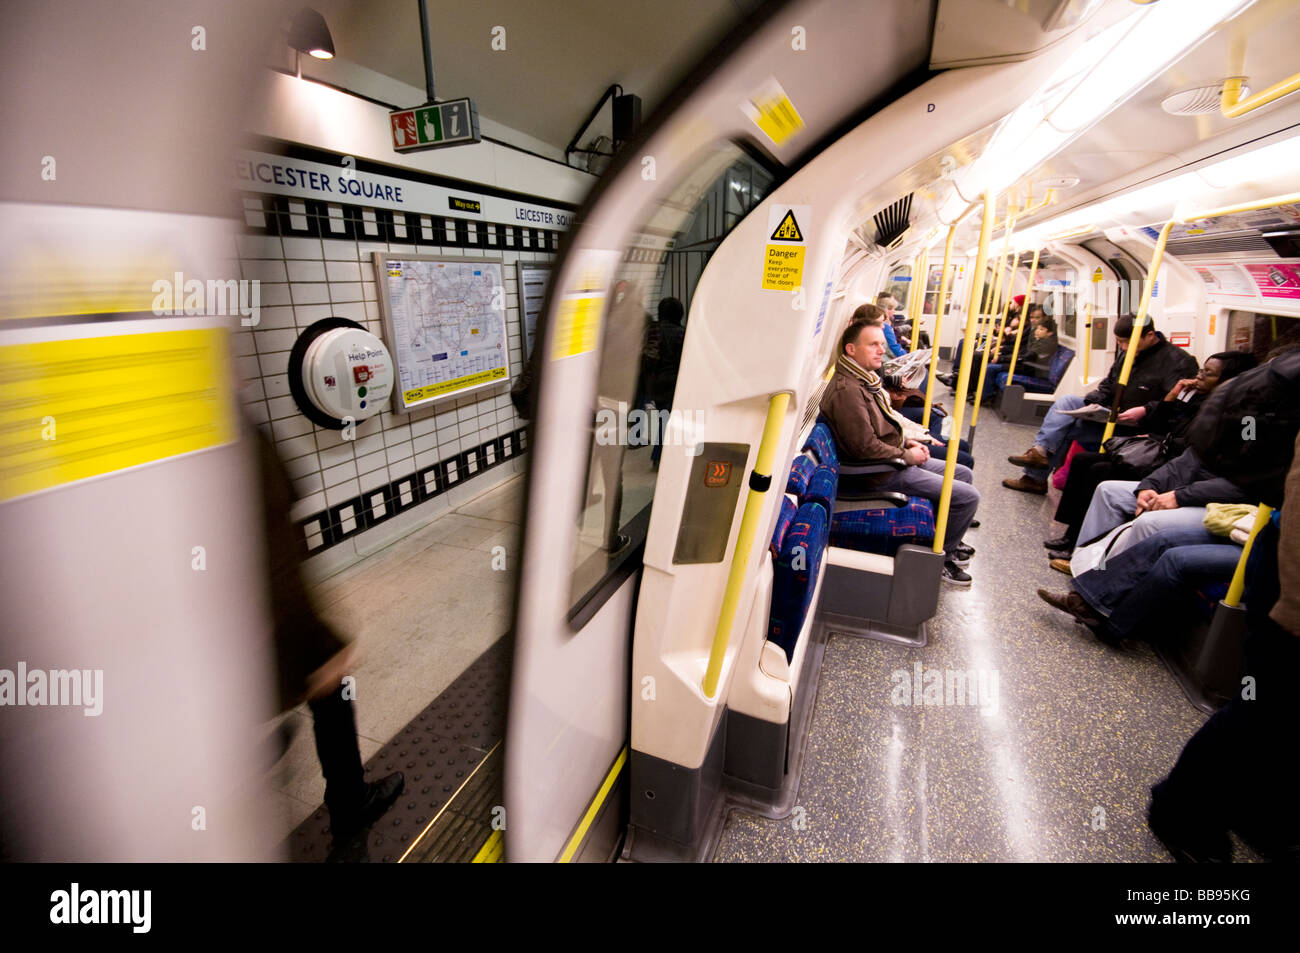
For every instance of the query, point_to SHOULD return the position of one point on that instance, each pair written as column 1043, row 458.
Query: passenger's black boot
column 352, row 802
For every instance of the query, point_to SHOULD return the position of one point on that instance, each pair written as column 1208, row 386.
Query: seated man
column 1149, row 579
column 1157, row 367
column 872, row 314
column 866, row 427
column 1173, row 497
column 1170, row 421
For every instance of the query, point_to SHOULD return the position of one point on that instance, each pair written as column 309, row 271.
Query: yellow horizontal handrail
column 1232, row 105
column 1238, row 585
column 776, row 408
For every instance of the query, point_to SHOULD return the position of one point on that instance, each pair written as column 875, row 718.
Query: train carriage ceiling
column 1139, row 140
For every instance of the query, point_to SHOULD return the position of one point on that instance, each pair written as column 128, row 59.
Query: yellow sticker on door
column 783, row 268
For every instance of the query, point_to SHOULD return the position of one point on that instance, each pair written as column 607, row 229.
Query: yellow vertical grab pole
column 988, row 338
column 1139, row 327
column 938, row 325
column 963, row 374
column 1011, row 286
column 776, row 407
column 1086, row 342
column 1238, row 584
column 1024, row 311
column 918, row 304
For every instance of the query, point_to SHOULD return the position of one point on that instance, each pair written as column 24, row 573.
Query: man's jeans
column 926, row 480
column 1147, row 578
column 1059, row 430
column 1114, row 503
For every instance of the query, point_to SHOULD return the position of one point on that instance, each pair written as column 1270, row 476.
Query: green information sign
column 451, row 123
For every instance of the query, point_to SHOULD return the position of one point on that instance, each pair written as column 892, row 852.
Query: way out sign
column 783, row 252
column 453, row 123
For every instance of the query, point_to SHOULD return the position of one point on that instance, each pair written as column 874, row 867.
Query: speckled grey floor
column 1056, row 769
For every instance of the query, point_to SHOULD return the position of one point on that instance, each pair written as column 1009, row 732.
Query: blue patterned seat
column 822, row 444
column 884, row 529
column 783, row 520
column 795, row 575
column 801, row 471
column 821, row 489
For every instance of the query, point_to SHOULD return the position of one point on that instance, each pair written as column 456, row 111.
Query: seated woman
column 1170, row 418
column 1036, row 358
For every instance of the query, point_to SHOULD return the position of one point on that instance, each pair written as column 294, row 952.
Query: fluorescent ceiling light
column 1096, row 77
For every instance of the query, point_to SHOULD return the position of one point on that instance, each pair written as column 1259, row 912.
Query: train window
column 635, row 420
column 899, row 285
column 932, row 288
column 1259, row 333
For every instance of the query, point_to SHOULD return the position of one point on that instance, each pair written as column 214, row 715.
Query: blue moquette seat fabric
column 1042, row 385
column 783, row 520
column 821, row 489
column 822, row 445
column 795, row 575
column 801, row 471
column 884, row 529
column 1208, row 597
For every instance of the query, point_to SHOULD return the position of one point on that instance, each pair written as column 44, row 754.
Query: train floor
column 1054, row 763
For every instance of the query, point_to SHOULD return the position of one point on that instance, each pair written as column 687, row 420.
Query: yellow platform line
column 451, row 800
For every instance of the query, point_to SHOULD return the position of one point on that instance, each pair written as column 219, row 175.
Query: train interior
column 748, row 745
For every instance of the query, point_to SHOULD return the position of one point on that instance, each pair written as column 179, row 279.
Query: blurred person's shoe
column 1180, row 838
column 1027, row 485
column 955, row 576
column 1061, row 542
column 1033, row 457
column 377, row 797
column 1061, row 565
column 1072, row 603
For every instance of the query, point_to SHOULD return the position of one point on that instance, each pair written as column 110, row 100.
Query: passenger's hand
column 916, row 455
column 1165, row 501
column 1145, row 499
column 327, row 678
column 1181, row 386
column 1132, row 415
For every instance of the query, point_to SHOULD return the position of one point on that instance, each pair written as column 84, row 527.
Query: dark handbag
column 1140, row 453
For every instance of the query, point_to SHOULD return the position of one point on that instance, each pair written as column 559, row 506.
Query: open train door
column 769, row 94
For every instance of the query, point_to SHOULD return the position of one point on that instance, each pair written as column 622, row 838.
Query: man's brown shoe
column 1061, row 565
column 1070, row 602
column 1026, row 485
column 1033, row 457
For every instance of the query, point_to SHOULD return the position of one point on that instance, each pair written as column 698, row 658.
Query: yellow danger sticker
column 771, row 110
column 783, row 268
column 1096, row 276
column 80, row 408
column 577, row 328
column 445, row 387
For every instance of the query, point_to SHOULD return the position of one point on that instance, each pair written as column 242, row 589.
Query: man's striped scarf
column 846, row 365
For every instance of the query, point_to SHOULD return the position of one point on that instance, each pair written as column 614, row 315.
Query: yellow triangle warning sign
column 788, row 230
